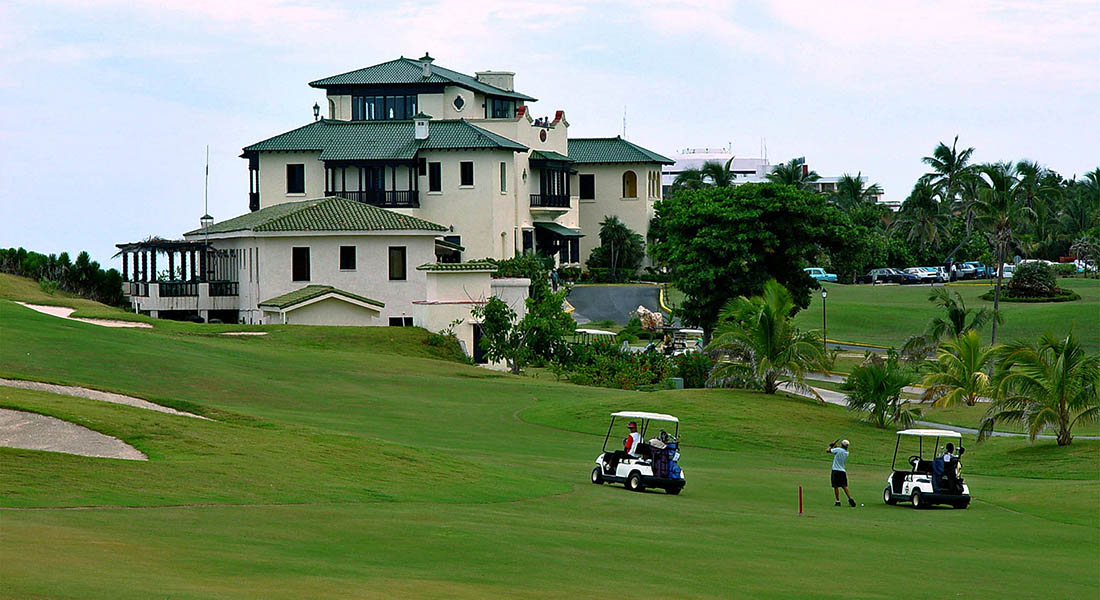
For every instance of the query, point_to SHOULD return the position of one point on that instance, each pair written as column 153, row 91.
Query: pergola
column 193, row 263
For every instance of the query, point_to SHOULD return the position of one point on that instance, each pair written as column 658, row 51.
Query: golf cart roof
column 631, row 414
column 930, row 433
column 594, row 331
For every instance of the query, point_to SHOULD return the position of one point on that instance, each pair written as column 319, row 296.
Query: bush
column 602, row 363
column 1065, row 270
column 694, row 368
column 1033, row 280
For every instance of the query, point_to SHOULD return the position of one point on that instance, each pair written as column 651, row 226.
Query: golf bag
column 672, row 453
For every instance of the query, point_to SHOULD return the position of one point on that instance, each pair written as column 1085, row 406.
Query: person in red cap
column 630, row 448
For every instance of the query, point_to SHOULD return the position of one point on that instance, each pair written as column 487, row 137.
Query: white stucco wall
column 635, row 213
column 330, row 311
column 273, row 176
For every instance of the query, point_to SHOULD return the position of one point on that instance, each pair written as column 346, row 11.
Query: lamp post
column 824, row 327
column 316, row 111
column 206, row 221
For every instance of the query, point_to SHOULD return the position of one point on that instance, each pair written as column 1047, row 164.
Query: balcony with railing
column 381, row 198
column 550, row 201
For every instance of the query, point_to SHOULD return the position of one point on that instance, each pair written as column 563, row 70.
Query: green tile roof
column 322, row 214
column 410, row 71
column 612, row 150
column 313, row 291
column 383, row 140
column 474, row 265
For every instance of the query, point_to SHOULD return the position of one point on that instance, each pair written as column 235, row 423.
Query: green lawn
column 357, row 463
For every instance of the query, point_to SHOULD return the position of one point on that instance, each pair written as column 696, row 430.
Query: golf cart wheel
column 918, row 502
column 960, row 504
column 597, row 476
column 673, row 490
column 634, row 483
column 888, row 496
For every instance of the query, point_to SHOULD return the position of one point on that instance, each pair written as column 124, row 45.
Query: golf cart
column 926, row 482
column 655, row 463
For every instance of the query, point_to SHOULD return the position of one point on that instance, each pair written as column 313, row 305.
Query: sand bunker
column 65, row 311
column 31, row 431
column 79, row 392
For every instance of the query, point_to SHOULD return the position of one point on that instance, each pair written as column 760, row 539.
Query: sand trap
column 79, row 392
column 244, row 333
column 65, row 311
column 31, row 431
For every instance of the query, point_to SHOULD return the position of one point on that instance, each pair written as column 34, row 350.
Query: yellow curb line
column 661, row 300
column 568, row 307
column 827, row 340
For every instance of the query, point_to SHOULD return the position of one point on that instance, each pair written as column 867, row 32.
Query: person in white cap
column 839, row 476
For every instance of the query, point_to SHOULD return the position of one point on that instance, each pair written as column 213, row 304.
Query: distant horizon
column 108, row 107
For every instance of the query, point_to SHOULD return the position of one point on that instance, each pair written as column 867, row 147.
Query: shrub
column 694, row 368
column 1033, row 280
column 1065, row 269
column 602, row 363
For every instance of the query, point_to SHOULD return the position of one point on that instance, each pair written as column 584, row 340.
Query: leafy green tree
column 922, row 217
column 1000, row 214
column 720, row 243
column 959, row 372
column 1052, row 383
column 619, row 254
column 763, row 349
column 793, row 173
column 876, row 386
column 851, row 193
column 956, row 320
column 500, row 339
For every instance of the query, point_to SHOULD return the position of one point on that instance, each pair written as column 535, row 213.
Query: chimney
column 420, row 126
column 497, row 79
column 426, row 64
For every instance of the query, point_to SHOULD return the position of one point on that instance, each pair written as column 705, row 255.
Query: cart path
column 64, row 312
column 80, row 392
column 32, row 431
column 838, row 398
column 612, row 302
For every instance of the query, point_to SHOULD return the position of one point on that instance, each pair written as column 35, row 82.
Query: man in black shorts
column 839, row 477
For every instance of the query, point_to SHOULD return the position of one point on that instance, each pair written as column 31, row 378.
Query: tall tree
column 851, row 192
column 793, row 173
column 712, row 174
column 620, row 252
column 923, row 218
column 950, row 166
column 1000, row 213
column 1052, row 383
column 721, row 243
column 762, row 346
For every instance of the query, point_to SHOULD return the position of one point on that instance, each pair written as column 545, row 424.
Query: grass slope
column 411, row 476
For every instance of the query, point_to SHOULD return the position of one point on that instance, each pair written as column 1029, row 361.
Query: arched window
column 630, row 185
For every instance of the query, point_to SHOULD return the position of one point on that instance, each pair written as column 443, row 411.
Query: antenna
column 206, row 185
column 624, row 121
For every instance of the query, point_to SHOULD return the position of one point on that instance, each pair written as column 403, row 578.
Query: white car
column 924, row 274
column 927, row 481
column 1007, row 270
column 654, row 464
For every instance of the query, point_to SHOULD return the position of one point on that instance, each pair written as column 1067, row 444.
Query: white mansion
column 383, row 210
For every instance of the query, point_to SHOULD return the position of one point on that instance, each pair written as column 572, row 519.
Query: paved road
column 612, row 302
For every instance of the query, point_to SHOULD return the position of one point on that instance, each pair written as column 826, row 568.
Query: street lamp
column 824, row 327
column 316, row 111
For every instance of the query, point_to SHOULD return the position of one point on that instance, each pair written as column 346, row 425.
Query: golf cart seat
column 923, row 466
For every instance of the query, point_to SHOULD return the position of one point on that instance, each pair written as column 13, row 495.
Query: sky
column 107, row 106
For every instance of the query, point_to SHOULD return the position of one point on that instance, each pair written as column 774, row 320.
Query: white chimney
column 420, row 126
column 498, row 79
column 426, row 64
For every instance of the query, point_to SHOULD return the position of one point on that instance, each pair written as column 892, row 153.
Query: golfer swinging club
column 839, row 475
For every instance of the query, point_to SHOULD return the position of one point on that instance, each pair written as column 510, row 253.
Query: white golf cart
column 655, row 462
column 927, row 481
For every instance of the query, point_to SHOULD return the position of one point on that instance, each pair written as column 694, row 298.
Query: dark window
column 397, row 263
column 588, row 187
column 455, row 256
column 347, row 258
column 528, row 240
column 503, row 177
column 574, row 250
column 467, row 170
column 422, row 167
column 295, row 179
column 401, row 321
column 501, row 109
column 435, row 177
column 300, row 267
column 383, row 108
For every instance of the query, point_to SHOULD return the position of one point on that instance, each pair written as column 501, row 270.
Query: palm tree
column 763, row 347
column 793, row 173
column 1052, row 383
column 688, row 179
column 922, row 216
column 711, row 174
column 949, row 167
column 875, row 387
column 999, row 212
column 959, row 372
column 956, row 320
column 851, row 193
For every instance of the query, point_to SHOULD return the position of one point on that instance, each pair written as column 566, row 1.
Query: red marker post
column 800, row 501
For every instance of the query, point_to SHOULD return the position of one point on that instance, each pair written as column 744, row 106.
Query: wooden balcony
column 382, row 198
column 549, row 201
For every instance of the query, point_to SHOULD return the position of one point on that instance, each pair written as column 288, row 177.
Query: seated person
column 631, row 447
column 951, row 467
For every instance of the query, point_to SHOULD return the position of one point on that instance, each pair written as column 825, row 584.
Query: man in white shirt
column 839, row 477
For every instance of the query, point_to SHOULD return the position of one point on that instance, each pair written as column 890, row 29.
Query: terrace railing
column 549, row 201
column 178, row 289
column 224, row 288
column 382, row 198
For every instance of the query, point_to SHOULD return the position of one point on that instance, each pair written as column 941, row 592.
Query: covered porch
column 382, row 183
column 180, row 279
column 554, row 239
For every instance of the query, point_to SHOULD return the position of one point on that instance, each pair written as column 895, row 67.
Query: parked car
column 925, row 274
column 1007, row 270
column 980, row 271
column 819, row 274
column 966, row 270
column 887, row 275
